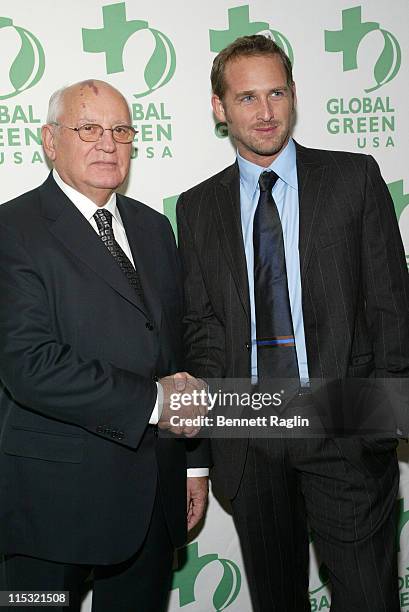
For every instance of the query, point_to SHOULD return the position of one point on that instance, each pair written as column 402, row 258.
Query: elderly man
column 89, row 322
column 295, row 268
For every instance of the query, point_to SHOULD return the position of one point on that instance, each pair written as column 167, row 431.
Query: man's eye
column 119, row 129
column 88, row 127
column 247, row 99
column 279, row 93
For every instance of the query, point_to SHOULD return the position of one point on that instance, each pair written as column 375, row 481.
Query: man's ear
column 47, row 134
column 218, row 108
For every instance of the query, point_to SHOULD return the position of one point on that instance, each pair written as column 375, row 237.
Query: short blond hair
column 256, row 45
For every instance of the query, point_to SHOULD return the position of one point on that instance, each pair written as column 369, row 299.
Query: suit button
column 149, row 325
column 248, row 346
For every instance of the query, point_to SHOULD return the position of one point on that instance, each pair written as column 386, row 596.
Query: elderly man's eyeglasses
column 92, row 132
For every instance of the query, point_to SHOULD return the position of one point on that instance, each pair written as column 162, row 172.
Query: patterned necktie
column 276, row 354
column 103, row 220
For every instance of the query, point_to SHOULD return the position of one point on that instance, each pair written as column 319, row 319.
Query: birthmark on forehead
column 91, row 85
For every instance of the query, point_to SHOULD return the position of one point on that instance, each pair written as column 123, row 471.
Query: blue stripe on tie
column 275, row 342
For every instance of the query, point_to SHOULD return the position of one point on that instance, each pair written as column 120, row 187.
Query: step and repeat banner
column 351, row 70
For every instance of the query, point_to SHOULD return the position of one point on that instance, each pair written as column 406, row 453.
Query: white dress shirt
column 88, row 208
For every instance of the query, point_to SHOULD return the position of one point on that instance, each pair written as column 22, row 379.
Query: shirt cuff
column 154, row 420
column 196, row 472
column 157, row 410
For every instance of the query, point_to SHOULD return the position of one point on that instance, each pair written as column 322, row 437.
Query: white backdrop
column 351, row 71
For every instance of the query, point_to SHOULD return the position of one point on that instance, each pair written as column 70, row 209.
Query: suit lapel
column 141, row 241
column 312, row 190
column 227, row 192
column 68, row 225
column 312, row 194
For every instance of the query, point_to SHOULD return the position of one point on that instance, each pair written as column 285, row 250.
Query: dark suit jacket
column 79, row 463
column 355, row 290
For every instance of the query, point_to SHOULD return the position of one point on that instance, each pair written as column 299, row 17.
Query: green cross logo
column 184, row 579
column 323, row 573
column 111, row 40
column 28, row 65
column 169, row 210
column 400, row 199
column 403, row 519
column 240, row 25
column 348, row 39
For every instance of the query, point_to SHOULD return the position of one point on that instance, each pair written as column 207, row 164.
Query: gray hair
column 55, row 105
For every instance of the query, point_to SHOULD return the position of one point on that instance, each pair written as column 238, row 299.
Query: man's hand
column 197, row 493
column 184, row 398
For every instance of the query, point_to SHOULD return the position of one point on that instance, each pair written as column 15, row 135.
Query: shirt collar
column 285, row 166
column 86, row 206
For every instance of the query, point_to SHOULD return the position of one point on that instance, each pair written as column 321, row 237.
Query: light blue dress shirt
column 285, row 193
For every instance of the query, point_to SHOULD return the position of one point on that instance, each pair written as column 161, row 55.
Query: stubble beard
column 256, row 145
column 265, row 149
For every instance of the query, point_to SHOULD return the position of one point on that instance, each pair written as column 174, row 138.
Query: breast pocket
column 43, row 445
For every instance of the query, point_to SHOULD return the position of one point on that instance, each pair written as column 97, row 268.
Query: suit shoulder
column 329, row 157
column 208, row 184
column 19, row 208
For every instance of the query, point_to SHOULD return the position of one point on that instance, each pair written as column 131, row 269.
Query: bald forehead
column 92, row 93
column 93, row 87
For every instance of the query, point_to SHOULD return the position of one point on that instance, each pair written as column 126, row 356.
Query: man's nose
column 265, row 110
column 106, row 142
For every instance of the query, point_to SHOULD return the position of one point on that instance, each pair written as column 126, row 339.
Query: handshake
column 190, row 396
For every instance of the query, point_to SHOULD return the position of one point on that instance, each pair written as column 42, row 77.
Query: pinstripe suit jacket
column 355, row 289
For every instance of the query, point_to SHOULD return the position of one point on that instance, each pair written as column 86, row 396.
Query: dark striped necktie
column 103, row 220
column 276, row 354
